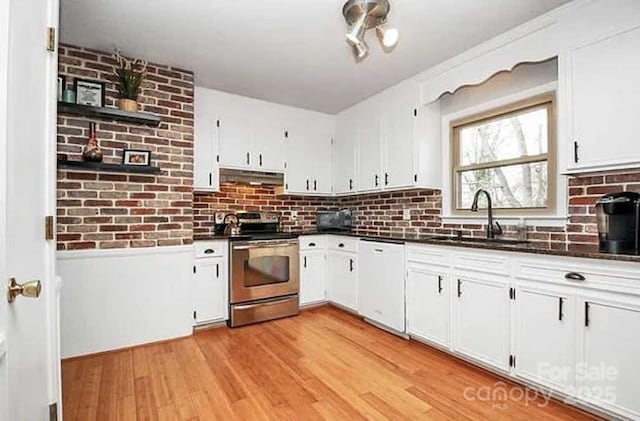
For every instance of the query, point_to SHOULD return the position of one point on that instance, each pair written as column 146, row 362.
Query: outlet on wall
column 406, row 214
column 294, row 215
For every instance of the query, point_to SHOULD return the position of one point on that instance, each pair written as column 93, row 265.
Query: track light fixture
column 361, row 15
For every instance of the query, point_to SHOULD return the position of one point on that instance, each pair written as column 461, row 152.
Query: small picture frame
column 62, row 85
column 136, row 157
column 89, row 92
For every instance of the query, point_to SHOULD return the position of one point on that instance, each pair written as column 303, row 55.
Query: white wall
column 118, row 298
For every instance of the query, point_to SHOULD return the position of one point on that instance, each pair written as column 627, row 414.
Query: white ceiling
column 289, row 51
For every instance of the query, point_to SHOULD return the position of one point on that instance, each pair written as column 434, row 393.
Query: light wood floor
column 323, row 364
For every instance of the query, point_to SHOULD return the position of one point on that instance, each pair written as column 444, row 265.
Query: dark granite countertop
column 530, row 247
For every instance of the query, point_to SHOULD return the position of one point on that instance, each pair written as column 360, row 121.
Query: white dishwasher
column 381, row 289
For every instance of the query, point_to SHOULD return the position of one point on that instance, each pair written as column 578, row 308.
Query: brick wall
column 382, row 213
column 108, row 210
column 235, row 197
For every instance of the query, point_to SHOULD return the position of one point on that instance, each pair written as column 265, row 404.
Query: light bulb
column 388, row 37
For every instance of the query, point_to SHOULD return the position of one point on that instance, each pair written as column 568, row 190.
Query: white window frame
column 558, row 218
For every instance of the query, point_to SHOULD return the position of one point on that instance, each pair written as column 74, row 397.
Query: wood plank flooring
column 323, row 364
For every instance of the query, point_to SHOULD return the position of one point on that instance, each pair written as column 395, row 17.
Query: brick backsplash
column 382, row 213
column 105, row 210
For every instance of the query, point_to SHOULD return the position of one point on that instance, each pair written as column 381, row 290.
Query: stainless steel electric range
column 264, row 280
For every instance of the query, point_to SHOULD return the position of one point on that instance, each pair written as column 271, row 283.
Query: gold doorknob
column 29, row 289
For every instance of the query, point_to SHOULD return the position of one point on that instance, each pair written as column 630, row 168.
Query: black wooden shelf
column 109, row 114
column 101, row 167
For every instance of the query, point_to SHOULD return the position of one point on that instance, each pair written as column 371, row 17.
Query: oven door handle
column 261, row 304
column 261, row 246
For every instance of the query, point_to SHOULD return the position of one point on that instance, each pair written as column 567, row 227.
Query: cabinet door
column 268, row 147
column 611, row 355
column 320, row 149
column 312, row 277
column 342, row 286
column 606, row 87
column 482, row 321
column 344, row 160
column 299, row 172
column 205, row 149
column 369, row 162
column 234, row 136
column 399, row 151
column 209, row 292
column 544, row 331
column 381, row 289
column 428, row 298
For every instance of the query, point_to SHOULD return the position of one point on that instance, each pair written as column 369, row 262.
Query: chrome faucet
column 492, row 230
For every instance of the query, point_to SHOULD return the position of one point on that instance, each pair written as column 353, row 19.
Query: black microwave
column 340, row 220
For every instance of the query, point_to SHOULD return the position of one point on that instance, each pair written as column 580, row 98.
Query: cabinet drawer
column 210, row 248
column 349, row 244
column 428, row 255
column 486, row 262
column 313, row 242
column 607, row 276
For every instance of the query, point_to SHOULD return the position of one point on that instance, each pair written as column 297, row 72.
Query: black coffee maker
column 619, row 223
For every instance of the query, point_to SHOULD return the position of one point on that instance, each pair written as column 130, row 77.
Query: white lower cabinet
column 209, row 291
column 313, row 277
column 481, row 329
column 544, row 336
column 609, row 370
column 428, row 304
column 381, row 286
column 342, row 282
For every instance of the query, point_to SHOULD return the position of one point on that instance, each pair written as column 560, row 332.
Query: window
column 509, row 152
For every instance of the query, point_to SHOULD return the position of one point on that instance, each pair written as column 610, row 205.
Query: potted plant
column 129, row 76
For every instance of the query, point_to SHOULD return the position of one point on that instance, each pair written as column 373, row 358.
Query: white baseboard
column 113, row 299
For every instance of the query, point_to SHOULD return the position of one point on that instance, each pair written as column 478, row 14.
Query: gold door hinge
column 51, row 39
column 48, row 227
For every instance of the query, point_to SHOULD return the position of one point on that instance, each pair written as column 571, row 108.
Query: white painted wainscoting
column 112, row 299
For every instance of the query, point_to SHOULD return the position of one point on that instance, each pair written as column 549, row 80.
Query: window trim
column 549, row 101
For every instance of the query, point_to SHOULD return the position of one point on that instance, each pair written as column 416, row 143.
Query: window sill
column 536, row 221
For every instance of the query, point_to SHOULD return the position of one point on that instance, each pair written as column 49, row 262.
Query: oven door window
column 266, row 270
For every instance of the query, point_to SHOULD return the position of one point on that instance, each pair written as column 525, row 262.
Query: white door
column 398, row 130
column 313, row 275
column 428, row 302
column 268, row 147
column 234, row 136
column 610, row 354
column 482, row 321
column 210, row 290
column 342, row 287
column 344, row 160
column 29, row 365
column 381, row 289
column 544, row 331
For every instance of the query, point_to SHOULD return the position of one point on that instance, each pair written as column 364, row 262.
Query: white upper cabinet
column 268, row 146
column 234, row 137
column 308, row 158
column 205, row 147
column 345, row 147
column 370, row 149
column 605, row 88
column 398, row 143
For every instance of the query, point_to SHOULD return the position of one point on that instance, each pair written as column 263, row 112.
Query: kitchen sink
column 478, row 240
